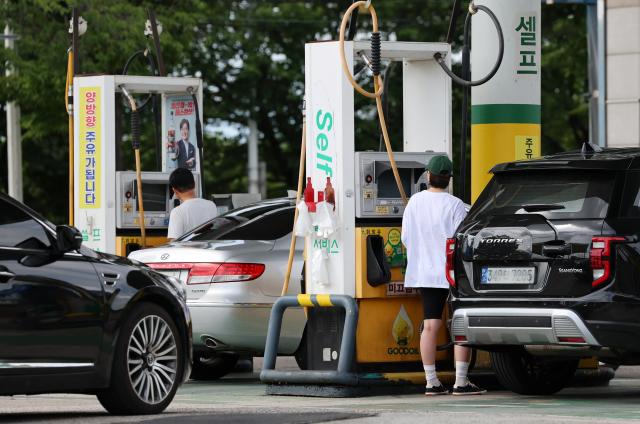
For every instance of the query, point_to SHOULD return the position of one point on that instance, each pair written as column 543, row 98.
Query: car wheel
column 214, row 367
column 526, row 374
column 148, row 363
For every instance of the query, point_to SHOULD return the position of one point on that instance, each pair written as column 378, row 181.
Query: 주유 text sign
column 90, row 148
column 527, row 147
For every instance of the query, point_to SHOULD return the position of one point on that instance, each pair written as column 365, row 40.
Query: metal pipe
column 344, row 374
column 75, row 40
column 14, row 132
column 452, row 21
column 592, row 67
column 252, row 165
column 602, row 74
column 156, row 41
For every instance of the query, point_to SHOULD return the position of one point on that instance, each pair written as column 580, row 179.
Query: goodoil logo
column 402, row 332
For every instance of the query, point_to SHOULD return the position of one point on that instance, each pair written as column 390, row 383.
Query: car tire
column 148, row 363
column 213, row 368
column 526, row 374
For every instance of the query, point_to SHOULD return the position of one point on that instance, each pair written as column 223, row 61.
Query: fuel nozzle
column 329, row 193
column 309, row 196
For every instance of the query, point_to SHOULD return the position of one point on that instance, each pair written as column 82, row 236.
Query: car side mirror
column 69, row 238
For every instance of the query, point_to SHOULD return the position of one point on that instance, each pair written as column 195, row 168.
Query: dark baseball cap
column 440, row 165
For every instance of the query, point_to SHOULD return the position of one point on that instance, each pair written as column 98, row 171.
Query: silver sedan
column 233, row 267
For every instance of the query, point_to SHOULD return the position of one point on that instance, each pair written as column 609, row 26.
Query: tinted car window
column 220, row 225
column 554, row 194
column 17, row 229
column 631, row 197
column 271, row 226
column 213, row 229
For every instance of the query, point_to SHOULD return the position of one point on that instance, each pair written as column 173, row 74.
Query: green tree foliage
column 565, row 108
column 250, row 55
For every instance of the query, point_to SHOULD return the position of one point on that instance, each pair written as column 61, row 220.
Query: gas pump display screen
column 154, row 196
column 387, row 187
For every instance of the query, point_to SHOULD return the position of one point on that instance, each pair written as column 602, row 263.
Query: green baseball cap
column 440, row 165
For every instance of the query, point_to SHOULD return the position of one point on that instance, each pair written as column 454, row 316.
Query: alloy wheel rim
column 152, row 359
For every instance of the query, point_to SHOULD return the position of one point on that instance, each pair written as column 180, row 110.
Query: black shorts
column 433, row 301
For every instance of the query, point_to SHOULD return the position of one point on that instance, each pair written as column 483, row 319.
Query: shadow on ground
column 226, row 417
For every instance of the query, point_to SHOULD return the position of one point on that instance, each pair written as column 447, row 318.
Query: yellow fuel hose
column 68, row 91
column 377, row 85
column 292, row 246
column 143, row 235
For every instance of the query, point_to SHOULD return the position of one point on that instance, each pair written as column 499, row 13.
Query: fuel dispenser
column 365, row 257
column 119, row 209
column 358, row 257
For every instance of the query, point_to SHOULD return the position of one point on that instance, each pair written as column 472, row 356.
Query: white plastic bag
column 304, row 226
column 325, row 220
column 320, row 268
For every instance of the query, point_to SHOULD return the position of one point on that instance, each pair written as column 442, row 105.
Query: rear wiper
column 538, row 207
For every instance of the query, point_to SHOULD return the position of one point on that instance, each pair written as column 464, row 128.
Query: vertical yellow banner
column 90, row 146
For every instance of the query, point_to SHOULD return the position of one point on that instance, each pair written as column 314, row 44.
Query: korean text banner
column 89, row 160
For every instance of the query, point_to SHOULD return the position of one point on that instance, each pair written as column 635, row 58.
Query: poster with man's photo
column 180, row 143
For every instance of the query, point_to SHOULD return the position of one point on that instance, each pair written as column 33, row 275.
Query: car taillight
column 169, row 265
column 600, row 258
column 451, row 253
column 202, row 273
column 214, row 272
column 229, row 272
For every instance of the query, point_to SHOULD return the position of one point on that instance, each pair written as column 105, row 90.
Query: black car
column 545, row 269
column 74, row 320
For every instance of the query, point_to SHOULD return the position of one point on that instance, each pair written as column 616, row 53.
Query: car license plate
column 508, row 275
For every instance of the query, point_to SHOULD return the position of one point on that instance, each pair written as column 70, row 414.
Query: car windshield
column 555, row 195
column 243, row 224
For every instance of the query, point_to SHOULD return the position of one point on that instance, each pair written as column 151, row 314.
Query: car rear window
column 551, row 193
column 257, row 222
column 271, row 226
column 631, row 196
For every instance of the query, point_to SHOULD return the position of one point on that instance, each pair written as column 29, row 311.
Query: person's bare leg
column 462, row 385
column 462, row 355
column 428, row 345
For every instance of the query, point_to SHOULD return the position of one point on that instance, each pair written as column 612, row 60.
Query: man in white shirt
column 430, row 218
column 192, row 211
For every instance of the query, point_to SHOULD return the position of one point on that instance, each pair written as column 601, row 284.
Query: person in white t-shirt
column 430, row 218
column 192, row 211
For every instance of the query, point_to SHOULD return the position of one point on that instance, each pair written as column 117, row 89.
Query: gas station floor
column 241, row 398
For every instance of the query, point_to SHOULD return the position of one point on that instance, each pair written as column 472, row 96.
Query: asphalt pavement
column 240, row 398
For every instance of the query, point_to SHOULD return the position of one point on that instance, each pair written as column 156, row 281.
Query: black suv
column 545, row 269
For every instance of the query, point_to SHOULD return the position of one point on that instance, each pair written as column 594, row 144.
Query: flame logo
column 402, row 329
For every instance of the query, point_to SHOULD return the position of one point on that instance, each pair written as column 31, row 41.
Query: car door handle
column 557, row 249
column 5, row 274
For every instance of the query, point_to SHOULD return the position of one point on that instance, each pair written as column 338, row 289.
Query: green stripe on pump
column 505, row 114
